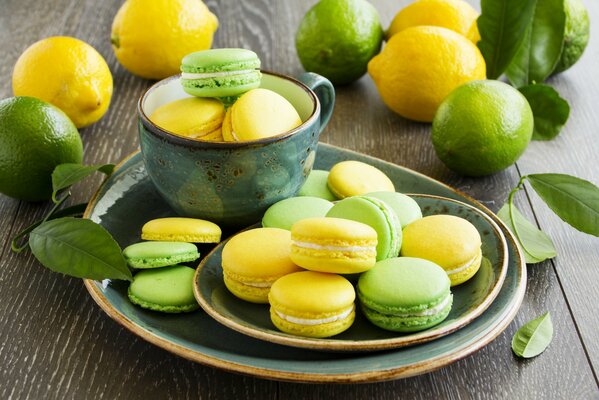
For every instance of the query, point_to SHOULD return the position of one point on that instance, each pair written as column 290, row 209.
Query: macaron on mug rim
column 173, row 138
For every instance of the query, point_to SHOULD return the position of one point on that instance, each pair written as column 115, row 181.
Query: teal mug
column 232, row 184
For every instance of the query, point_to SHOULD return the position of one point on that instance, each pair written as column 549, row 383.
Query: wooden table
column 56, row 343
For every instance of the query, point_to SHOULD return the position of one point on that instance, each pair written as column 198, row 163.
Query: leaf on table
column 65, row 175
column 574, row 200
column 79, row 248
column 550, row 111
column 537, row 246
column 534, row 337
column 541, row 48
column 502, row 24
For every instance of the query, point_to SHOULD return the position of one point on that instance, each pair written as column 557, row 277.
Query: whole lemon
column 482, row 127
column 420, row 66
column 35, row 137
column 67, row 73
column 150, row 37
column 456, row 15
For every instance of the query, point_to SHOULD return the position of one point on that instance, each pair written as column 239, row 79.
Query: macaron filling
column 256, row 284
column 350, row 249
column 465, row 266
column 215, row 74
column 424, row 313
column 316, row 321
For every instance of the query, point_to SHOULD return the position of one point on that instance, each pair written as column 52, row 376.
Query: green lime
column 576, row 35
column 35, row 137
column 482, row 127
column 337, row 38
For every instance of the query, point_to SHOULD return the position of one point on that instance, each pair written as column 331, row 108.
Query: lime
column 482, row 127
column 35, row 137
column 337, row 38
column 576, row 35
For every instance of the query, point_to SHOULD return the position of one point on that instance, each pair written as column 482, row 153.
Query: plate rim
column 310, row 377
column 361, row 345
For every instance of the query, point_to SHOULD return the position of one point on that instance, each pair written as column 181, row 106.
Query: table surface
column 55, row 342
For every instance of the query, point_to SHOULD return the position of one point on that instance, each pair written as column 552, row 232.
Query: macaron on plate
column 128, row 199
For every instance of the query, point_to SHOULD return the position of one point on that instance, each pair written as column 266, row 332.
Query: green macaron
column 404, row 206
column 405, row 294
column 378, row 215
column 316, row 186
column 168, row 289
column 220, row 72
column 285, row 213
column 155, row 254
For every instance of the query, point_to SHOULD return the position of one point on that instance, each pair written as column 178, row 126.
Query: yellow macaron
column 253, row 260
column 355, row 178
column 192, row 117
column 258, row 114
column 312, row 304
column 335, row 245
column 449, row 241
column 175, row 229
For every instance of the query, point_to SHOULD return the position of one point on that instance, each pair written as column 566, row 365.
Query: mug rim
column 184, row 141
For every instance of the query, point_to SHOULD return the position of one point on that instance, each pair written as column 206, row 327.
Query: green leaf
column 65, row 175
column 79, row 248
column 502, row 24
column 542, row 45
column 537, row 246
column 574, row 200
column 534, row 337
column 550, row 111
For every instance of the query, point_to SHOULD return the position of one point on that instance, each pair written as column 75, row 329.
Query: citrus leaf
column 541, row 48
column 65, row 175
column 574, row 200
column 549, row 110
column 79, row 248
column 502, row 24
column 534, row 337
column 537, row 246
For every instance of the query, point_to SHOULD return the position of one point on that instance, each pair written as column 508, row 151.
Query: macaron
column 285, row 213
column 176, row 229
column 191, row 117
column 354, row 178
column 406, row 208
column 168, row 289
column 312, row 304
column 449, row 241
column 258, row 114
column 159, row 254
column 254, row 259
column 316, row 186
column 405, row 294
column 334, row 245
column 376, row 214
column 220, row 72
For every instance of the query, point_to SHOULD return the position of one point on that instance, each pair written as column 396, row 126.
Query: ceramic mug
column 232, row 184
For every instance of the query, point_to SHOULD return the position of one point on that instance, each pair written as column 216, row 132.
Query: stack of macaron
column 161, row 283
column 349, row 224
column 227, row 103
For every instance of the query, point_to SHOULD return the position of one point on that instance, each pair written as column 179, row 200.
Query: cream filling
column 310, row 322
column 463, row 267
column 258, row 284
column 429, row 311
column 235, row 138
column 314, row 246
column 190, row 75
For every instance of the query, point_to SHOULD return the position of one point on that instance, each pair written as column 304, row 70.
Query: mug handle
column 324, row 91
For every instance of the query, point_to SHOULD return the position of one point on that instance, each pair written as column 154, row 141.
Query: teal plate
column 470, row 299
column 128, row 199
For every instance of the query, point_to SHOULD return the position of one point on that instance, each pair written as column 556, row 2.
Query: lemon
column 456, row 15
column 482, row 127
column 337, row 38
column 150, row 37
column 576, row 34
column 35, row 137
column 68, row 73
column 420, row 66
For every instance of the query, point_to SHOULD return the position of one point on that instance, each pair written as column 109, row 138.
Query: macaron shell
column 226, row 128
column 214, row 136
column 316, row 331
column 406, row 208
column 354, row 178
column 168, row 289
column 190, row 117
column 405, row 325
column 177, row 229
column 223, row 86
column 316, row 186
column 462, row 276
column 245, row 292
column 159, row 254
column 285, row 213
column 218, row 60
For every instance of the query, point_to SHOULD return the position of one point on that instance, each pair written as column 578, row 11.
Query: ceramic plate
column 128, row 199
column 469, row 299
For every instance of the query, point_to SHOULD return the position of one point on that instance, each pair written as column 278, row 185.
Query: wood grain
column 56, row 343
